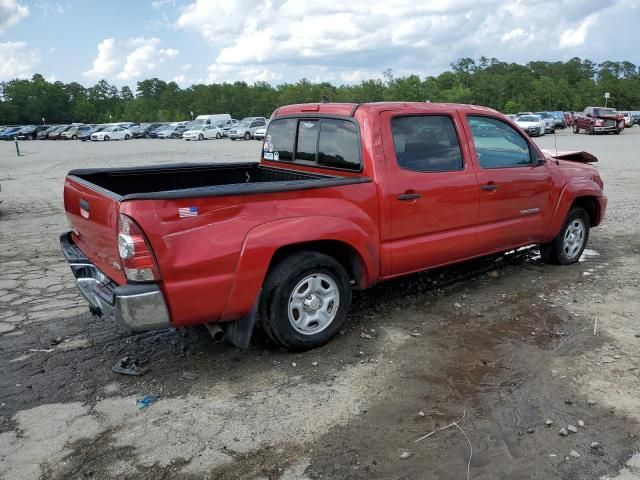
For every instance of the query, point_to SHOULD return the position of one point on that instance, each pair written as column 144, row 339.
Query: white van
column 210, row 119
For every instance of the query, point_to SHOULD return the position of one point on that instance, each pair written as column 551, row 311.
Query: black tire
column 233, row 139
column 278, row 287
column 107, row 138
column 576, row 129
column 218, row 136
column 146, row 135
column 201, row 137
column 591, row 130
column 554, row 252
column 247, row 136
column 74, row 137
column 127, row 136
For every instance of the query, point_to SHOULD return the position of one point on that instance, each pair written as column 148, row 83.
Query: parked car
column 260, row 133
column 636, row 118
column 111, row 133
column 337, row 202
column 549, row 121
column 519, row 114
column 228, row 125
column 44, row 134
column 144, row 130
column 210, row 119
column 534, row 125
column 246, row 129
column 599, row 120
column 568, row 119
column 86, row 135
column 202, row 132
column 57, row 133
column 31, row 132
column 559, row 118
column 75, row 132
column 173, row 131
column 10, row 133
column 628, row 119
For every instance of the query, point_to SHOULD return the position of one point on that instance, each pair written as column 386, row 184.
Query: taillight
column 135, row 253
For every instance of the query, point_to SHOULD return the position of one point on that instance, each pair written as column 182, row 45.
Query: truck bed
column 202, row 180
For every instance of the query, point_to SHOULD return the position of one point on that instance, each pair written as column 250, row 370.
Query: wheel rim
column 313, row 304
column 573, row 238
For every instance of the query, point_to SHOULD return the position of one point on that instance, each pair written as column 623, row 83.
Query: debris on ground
column 580, row 423
column 595, row 445
column 607, row 359
column 189, row 375
column 128, row 366
column 56, row 341
column 548, row 422
column 572, row 429
column 591, row 402
column 146, row 401
column 563, row 432
column 403, row 453
column 574, row 454
column 530, row 430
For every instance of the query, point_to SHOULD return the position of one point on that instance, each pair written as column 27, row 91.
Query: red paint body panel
column 214, row 264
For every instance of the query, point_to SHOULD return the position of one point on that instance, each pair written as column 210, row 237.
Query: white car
column 534, row 125
column 111, row 133
column 203, row 132
column 246, row 129
column 628, row 119
column 260, row 133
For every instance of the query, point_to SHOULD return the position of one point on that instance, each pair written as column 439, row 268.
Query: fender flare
column 570, row 192
column 262, row 242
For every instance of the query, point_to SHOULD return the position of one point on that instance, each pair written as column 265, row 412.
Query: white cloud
column 180, row 79
column 290, row 39
column 17, row 60
column 186, row 67
column 106, row 61
column 575, row 37
column 128, row 59
column 11, row 12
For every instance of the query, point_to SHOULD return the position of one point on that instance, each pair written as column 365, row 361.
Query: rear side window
column 322, row 142
column 426, row 143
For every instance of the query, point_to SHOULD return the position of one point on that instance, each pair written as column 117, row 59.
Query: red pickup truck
column 344, row 196
column 599, row 120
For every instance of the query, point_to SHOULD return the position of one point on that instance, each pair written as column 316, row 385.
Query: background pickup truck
column 344, row 196
column 599, row 120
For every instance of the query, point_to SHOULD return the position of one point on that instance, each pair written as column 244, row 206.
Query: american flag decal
column 188, row 212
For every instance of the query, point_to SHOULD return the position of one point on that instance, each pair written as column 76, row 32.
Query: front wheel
column 576, row 129
column 305, row 301
column 106, row 138
column 127, row 136
column 569, row 244
column 201, row 137
column 218, row 136
column 247, row 136
column 591, row 130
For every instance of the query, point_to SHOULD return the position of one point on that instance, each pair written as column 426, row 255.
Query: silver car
column 246, row 129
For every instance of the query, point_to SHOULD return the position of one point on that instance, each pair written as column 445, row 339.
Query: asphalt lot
column 506, row 340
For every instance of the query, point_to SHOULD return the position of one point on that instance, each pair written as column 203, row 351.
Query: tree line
column 508, row 87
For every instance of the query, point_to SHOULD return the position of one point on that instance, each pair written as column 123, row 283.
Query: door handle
column 409, row 196
column 491, row 187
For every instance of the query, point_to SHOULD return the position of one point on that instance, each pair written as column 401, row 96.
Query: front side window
column 497, row 144
column 427, row 143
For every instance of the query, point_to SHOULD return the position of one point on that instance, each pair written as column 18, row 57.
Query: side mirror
column 539, row 162
column 589, row 115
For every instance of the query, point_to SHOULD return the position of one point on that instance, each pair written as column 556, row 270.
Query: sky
column 277, row 41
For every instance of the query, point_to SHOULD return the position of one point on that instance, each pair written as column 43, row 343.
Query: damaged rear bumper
column 138, row 307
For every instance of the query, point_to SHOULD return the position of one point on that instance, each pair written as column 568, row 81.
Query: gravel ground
column 506, row 340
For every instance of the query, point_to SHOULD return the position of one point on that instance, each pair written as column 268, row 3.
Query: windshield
column 604, row 111
column 529, row 118
column 544, row 115
column 244, row 124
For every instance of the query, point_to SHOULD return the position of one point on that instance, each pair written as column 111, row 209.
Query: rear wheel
column 576, row 129
column 591, row 130
column 569, row 244
column 146, row 135
column 127, row 136
column 305, row 300
column 201, row 137
column 106, row 138
column 218, row 136
column 74, row 137
column 247, row 136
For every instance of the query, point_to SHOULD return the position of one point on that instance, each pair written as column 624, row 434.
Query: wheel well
column 591, row 206
column 344, row 253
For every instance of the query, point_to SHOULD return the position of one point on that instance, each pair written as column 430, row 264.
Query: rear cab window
column 320, row 142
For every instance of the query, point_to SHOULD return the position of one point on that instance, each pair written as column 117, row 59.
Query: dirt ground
column 506, row 341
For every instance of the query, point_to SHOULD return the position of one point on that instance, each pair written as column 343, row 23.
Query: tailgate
column 93, row 215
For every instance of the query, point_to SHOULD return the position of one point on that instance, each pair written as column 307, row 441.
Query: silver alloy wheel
column 573, row 238
column 314, row 304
